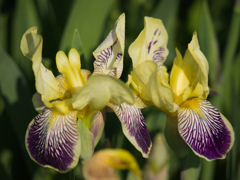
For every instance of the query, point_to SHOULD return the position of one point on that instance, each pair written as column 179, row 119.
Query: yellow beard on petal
column 193, row 104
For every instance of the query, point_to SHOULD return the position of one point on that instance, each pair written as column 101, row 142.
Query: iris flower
column 109, row 60
column 53, row 138
column 205, row 130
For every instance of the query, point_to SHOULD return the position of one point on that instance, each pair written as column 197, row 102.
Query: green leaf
column 76, row 42
column 2, row 105
column 208, row 44
column 191, row 167
column 25, row 17
column 18, row 105
column 87, row 140
column 236, row 74
column 3, row 30
column 72, row 175
column 208, row 169
column 167, row 11
column 88, row 17
column 224, row 101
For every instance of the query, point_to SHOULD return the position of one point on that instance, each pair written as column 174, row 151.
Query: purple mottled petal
column 134, row 127
column 151, row 43
column 53, row 140
column 204, row 129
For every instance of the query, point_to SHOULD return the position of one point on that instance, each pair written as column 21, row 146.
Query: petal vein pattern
column 204, row 130
column 151, row 44
column 104, row 60
column 53, row 140
column 109, row 54
column 134, row 127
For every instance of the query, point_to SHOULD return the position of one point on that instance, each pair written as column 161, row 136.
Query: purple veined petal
column 205, row 129
column 52, row 140
column 109, row 54
column 133, row 126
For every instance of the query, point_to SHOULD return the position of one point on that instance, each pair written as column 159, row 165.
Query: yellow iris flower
column 71, row 120
column 205, row 130
column 52, row 138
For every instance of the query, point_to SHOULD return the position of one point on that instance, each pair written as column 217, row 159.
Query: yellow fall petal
column 99, row 89
column 46, row 83
column 152, row 85
column 151, row 44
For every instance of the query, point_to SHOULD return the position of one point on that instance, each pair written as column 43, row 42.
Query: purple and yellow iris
column 205, row 130
column 73, row 98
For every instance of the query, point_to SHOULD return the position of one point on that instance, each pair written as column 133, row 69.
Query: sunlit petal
column 46, row 83
column 133, row 126
column 52, row 140
column 205, row 129
column 152, row 84
column 141, row 103
column 151, row 44
column 109, row 54
column 98, row 90
column 70, row 69
column 189, row 76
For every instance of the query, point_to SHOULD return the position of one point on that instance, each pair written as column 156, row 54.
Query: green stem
column 208, row 169
column 72, row 175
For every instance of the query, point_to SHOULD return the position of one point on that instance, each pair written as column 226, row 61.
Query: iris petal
column 109, row 54
column 98, row 122
column 46, row 83
column 205, row 129
column 98, row 90
column 134, row 127
column 53, row 140
column 189, row 76
column 69, row 68
column 152, row 84
column 151, row 44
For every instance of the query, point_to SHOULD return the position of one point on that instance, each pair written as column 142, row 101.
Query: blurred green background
column 217, row 23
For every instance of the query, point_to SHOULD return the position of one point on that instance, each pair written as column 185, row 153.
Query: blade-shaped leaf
column 3, row 30
column 76, row 42
column 191, row 167
column 88, row 17
column 25, row 17
column 14, row 91
column 208, row 44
